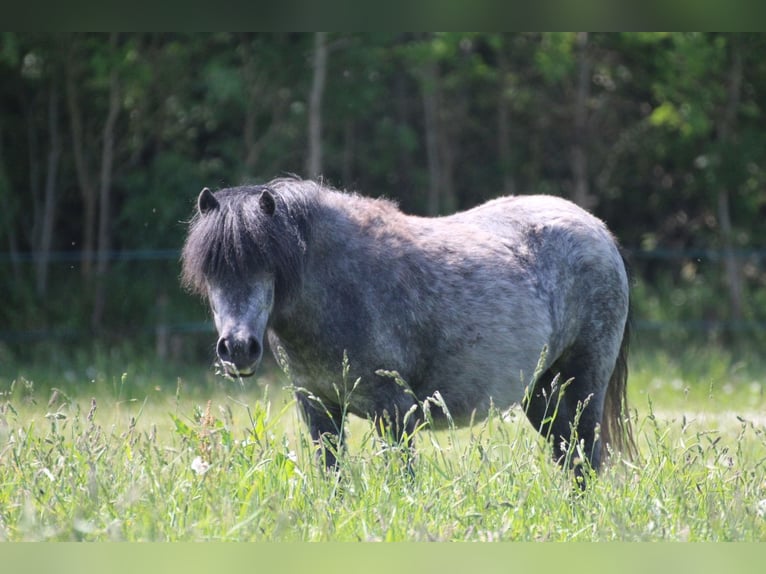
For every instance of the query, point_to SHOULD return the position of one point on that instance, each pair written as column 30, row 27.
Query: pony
column 484, row 308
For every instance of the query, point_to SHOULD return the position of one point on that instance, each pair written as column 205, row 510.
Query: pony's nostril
column 222, row 348
column 240, row 352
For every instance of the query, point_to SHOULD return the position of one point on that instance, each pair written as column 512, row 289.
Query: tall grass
column 134, row 458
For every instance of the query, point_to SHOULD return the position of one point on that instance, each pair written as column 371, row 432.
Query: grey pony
column 488, row 307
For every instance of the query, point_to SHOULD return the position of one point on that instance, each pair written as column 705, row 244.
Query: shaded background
column 106, row 139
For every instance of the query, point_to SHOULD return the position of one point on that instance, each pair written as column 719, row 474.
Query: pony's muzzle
column 239, row 357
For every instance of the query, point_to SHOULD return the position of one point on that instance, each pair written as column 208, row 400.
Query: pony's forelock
column 237, row 240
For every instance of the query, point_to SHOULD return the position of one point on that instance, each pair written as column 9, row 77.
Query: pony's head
column 242, row 254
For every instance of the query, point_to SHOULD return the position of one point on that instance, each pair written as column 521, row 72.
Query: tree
column 581, row 195
column 105, row 179
column 700, row 101
column 105, row 139
column 48, row 217
column 85, row 177
column 725, row 126
column 319, row 74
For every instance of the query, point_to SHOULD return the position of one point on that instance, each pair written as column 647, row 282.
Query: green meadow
column 110, row 448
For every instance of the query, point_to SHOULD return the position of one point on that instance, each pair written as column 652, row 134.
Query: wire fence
column 659, row 253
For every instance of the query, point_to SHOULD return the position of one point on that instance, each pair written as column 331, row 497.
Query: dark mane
column 237, row 240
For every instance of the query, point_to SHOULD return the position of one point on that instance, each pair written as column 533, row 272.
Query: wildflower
column 200, row 466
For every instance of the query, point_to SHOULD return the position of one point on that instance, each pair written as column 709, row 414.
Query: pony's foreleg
column 325, row 424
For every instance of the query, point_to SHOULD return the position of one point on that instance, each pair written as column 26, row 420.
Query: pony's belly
column 462, row 409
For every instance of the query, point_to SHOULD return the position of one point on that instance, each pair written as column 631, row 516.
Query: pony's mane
column 237, row 240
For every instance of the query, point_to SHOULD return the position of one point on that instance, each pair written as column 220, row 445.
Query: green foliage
column 9, row 48
column 555, row 58
column 216, row 109
column 160, row 215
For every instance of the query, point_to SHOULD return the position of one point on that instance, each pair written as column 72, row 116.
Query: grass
column 87, row 454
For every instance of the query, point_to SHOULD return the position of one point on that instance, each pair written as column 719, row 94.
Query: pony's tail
column 616, row 428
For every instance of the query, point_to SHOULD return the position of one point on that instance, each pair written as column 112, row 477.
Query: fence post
column 161, row 330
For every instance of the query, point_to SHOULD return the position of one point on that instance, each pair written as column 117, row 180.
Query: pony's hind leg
column 325, row 424
column 544, row 408
column 566, row 407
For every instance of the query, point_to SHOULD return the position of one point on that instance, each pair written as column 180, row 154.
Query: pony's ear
column 206, row 201
column 267, row 202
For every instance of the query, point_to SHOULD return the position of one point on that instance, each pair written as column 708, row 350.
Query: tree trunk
column 7, row 215
column 447, row 134
column 161, row 331
column 730, row 262
column 725, row 130
column 314, row 163
column 405, row 165
column 84, row 177
column 252, row 149
column 503, row 128
column 349, row 145
column 33, row 151
column 105, row 192
column 48, row 218
column 581, row 195
column 431, row 117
